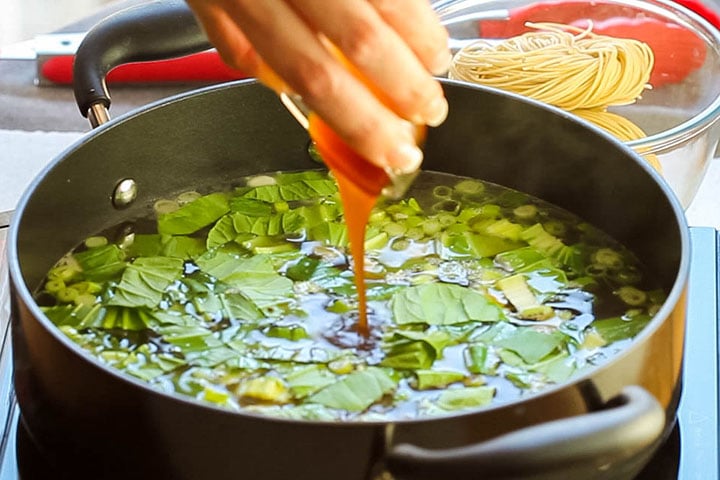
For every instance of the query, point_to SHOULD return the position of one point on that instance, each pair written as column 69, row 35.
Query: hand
column 394, row 46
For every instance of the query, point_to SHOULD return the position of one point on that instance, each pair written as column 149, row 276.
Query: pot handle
column 582, row 446
column 150, row 31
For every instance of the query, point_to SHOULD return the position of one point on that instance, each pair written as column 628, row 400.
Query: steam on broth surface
column 244, row 298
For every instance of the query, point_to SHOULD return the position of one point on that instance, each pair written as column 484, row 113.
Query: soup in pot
column 245, row 298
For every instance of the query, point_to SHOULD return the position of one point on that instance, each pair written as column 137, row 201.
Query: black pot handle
column 150, row 31
column 579, row 447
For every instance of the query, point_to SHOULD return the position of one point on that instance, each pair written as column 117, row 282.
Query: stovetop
column 690, row 453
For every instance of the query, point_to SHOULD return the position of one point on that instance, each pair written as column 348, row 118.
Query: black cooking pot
column 604, row 424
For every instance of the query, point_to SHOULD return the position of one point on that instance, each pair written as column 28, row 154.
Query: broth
column 246, row 298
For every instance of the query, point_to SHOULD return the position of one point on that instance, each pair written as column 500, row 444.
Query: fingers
column 381, row 54
column 369, row 107
column 230, row 42
column 224, row 33
column 295, row 51
column 416, row 22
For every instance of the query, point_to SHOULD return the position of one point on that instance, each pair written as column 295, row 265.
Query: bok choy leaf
column 442, row 304
column 357, row 391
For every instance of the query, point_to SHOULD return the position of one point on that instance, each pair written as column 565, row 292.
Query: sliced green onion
column 449, row 206
column 632, row 296
column 54, row 285
column 469, row 187
column 96, row 241
column 608, row 257
column 394, row 229
column 187, row 197
column 627, row 276
column 400, row 244
column 415, row 233
column 64, row 272
column 261, row 181
column 555, row 227
column 162, row 207
column 525, row 212
column 67, row 295
column 446, row 219
column 338, row 306
column 442, row 191
column 596, row 270
column 431, row 227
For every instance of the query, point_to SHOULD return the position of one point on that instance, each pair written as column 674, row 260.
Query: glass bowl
column 679, row 114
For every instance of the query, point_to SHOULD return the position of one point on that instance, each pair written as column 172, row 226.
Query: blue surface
column 698, row 410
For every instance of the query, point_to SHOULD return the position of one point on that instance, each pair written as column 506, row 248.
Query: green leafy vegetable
column 256, row 278
column 251, row 207
column 303, row 269
column 144, row 281
column 101, row 263
column 307, row 380
column 442, row 304
column 195, row 215
column 357, row 391
column 300, row 190
column 620, row 328
column 437, row 339
column 532, row 345
column 409, row 356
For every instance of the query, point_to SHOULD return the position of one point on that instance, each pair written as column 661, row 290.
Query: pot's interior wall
column 203, row 142
column 555, row 157
column 211, row 139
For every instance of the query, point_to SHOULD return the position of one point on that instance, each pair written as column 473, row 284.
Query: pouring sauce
column 360, row 184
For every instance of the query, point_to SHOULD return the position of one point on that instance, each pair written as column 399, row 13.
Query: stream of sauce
column 360, row 184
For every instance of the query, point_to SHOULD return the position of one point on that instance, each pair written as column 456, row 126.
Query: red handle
column 199, row 67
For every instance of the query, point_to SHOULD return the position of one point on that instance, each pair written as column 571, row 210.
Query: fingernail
column 442, row 63
column 406, row 157
column 437, row 112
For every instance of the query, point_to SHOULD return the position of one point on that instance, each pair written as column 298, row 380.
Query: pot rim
column 20, row 288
